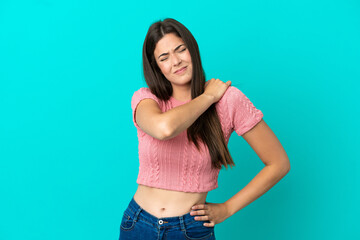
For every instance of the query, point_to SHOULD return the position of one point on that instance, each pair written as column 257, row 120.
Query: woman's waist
column 167, row 203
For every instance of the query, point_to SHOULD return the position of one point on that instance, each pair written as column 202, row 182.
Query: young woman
column 184, row 125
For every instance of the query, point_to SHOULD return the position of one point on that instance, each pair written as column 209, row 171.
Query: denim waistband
column 136, row 209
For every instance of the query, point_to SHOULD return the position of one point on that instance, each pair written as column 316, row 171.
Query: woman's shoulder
column 143, row 92
column 233, row 99
column 231, row 94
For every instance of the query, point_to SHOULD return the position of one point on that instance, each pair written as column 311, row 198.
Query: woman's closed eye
column 163, row 59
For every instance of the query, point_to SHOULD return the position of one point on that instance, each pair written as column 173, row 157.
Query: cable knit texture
column 176, row 164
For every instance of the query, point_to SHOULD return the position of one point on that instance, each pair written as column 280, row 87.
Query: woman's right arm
column 166, row 125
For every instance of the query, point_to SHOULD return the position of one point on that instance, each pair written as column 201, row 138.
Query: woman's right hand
column 216, row 88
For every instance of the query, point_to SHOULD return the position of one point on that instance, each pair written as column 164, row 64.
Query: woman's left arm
column 269, row 149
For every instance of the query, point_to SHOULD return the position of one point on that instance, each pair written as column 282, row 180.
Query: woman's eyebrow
column 174, row 50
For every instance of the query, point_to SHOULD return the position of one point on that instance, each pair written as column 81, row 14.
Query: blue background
column 68, row 146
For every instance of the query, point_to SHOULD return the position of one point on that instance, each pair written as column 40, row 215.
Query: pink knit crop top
column 176, row 164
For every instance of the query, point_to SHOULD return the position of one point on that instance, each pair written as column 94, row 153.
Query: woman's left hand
column 213, row 212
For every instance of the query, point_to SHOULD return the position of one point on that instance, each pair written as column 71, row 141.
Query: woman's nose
column 176, row 60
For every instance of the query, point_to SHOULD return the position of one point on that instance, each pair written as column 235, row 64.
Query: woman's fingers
column 214, row 212
column 198, row 212
column 202, row 218
column 200, row 206
column 200, row 215
column 216, row 87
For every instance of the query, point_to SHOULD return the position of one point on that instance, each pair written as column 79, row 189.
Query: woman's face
column 174, row 60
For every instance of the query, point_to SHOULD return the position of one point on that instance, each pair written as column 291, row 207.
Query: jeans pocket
column 197, row 231
column 127, row 222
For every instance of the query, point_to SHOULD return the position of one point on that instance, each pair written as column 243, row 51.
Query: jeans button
column 161, row 221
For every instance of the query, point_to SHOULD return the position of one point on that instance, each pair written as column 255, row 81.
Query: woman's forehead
column 167, row 43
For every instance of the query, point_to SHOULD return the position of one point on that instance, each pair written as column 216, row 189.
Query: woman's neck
column 182, row 93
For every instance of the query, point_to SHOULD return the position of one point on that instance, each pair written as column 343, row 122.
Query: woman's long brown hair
column 207, row 128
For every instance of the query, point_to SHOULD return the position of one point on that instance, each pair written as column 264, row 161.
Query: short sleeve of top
column 139, row 95
column 242, row 112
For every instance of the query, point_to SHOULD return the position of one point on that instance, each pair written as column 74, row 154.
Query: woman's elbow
column 165, row 132
column 285, row 166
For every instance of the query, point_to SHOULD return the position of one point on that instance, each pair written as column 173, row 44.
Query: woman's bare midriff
column 167, row 203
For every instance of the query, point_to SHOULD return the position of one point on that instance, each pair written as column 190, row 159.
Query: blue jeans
column 136, row 223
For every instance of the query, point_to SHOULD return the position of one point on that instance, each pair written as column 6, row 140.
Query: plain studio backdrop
column 68, row 146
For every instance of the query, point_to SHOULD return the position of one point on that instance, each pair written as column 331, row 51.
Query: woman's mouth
column 181, row 70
